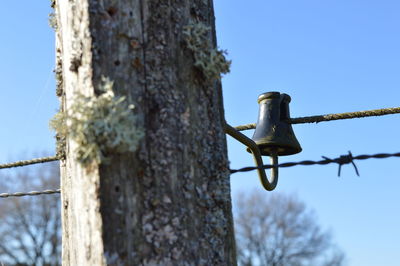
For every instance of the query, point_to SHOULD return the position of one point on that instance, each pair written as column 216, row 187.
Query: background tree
column 278, row 230
column 30, row 227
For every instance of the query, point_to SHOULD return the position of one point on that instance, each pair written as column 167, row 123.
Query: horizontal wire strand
column 29, row 162
column 349, row 115
column 31, row 193
column 344, row 159
column 311, row 119
column 299, row 120
column 332, row 117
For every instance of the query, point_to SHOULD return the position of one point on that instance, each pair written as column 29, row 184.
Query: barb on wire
column 31, row 193
column 331, row 117
column 344, row 159
column 29, row 162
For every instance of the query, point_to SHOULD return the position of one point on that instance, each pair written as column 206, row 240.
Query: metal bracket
column 268, row 185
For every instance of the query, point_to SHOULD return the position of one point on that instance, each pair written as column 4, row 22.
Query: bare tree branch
column 279, row 230
column 30, row 227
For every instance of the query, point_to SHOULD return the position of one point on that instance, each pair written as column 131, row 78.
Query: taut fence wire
column 26, row 163
column 30, row 162
column 31, row 193
column 344, row 159
column 332, row 117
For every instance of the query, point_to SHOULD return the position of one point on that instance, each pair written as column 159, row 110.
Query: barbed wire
column 299, row 120
column 341, row 160
column 332, row 117
column 31, row 193
column 344, row 159
column 29, row 162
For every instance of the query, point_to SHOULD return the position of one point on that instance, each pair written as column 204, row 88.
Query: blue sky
column 329, row 56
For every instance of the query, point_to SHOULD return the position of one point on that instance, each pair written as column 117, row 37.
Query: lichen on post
column 99, row 125
column 161, row 193
column 210, row 61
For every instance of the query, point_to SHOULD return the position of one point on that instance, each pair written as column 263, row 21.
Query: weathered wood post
column 147, row 185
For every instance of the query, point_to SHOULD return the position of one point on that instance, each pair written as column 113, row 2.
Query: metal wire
column 299, row 120
column 344, row 159
column 245, row 127
column 31, row 193
column 29, row 162
column 332, row 117
column 351, row 115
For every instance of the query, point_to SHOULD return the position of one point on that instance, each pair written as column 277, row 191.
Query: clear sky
column 329, row 56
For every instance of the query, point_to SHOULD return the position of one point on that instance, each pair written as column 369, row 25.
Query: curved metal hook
column 257, row 158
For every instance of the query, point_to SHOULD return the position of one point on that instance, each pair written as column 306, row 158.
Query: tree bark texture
column 168, row 203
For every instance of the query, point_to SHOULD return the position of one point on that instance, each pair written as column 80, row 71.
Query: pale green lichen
column 100, row 126
column 211, row 61
column 59, row 75
column 53, row 21
column 58, row 123
column 52, row 15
